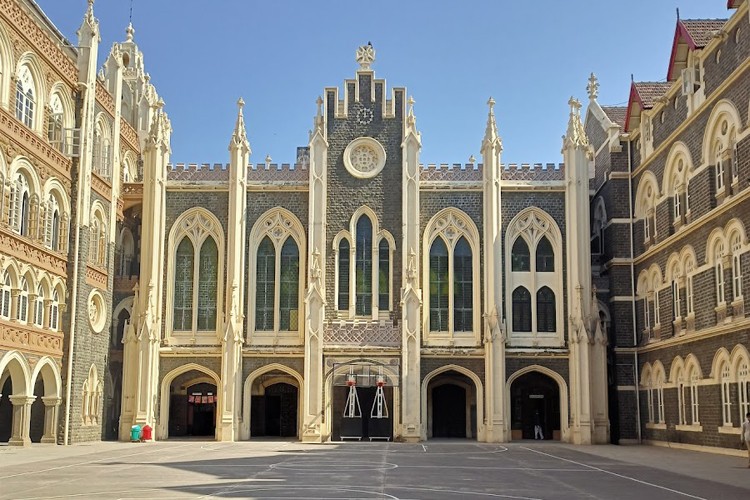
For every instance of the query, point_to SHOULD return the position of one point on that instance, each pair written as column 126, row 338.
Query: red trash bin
column 146, row 436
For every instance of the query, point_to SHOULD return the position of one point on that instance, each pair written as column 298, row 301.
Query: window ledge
column 726, row 429
column 659, row 426
column 689, row 428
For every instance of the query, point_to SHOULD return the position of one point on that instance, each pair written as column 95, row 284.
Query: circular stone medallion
column 364, row 157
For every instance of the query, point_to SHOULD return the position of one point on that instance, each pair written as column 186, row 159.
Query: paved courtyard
column 434, row 470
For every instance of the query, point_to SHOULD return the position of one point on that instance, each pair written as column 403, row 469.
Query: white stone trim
column 373, row 146
column 451, row 221
column 278, row 224
column 247, row 388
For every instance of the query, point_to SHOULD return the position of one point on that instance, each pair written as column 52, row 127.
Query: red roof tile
column 701, row 31
column 649, row 92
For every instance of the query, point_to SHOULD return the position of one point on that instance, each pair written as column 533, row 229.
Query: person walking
column 745, row 436
column 538, row 434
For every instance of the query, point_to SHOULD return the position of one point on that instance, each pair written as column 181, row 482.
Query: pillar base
column 49, row 439
column 19, row 442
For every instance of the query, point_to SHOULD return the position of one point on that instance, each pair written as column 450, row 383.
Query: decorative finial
column 491, row 136
column 365, row 56
column 268, row 160
column 575, row 135
column 240, row 103
column 593, row 87
column 319, row 102
column 160, row 103
column 575, row 105
column 129, row 32
column 472, row 160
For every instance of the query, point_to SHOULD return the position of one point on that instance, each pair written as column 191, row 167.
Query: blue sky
column 531, row 56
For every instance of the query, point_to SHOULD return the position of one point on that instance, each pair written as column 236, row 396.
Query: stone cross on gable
column 365, row 56
column 593, row 87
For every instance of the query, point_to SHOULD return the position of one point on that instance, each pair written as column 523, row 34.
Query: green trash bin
column 135, row 433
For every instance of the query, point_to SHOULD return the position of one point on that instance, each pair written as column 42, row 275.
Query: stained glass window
column 207, row 284
column 363, row 267
column 462, row 287
column 439, row 286
column 289, row 293
column 265, row 277
column 183, row 286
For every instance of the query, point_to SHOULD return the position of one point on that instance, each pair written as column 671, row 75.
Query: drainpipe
column 632, row 290
column 82, row 87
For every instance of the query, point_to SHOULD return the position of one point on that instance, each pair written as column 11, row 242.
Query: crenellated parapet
column 260, row 173
column 472, row 172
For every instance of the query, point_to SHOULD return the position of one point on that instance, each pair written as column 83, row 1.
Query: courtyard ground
column 433, row 470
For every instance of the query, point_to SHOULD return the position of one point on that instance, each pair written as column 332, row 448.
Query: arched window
column 726, row 395
column 20, row 205
column 520, row 259
column 545, row 256
column 462, row 287
column 289, row 293
column 719, row 168
column 343, row 296
column 23, row 301
column 25, row 97
column 676, row 201
column 689, row 268
column 52, row 224
column 196, row 285
column 694, row 403
column 743, row 388
column 735, row 161
column 265, row 286
column 660, row 396
column 439, row 286
column 736, row 245
column 719, row 274
column 183, row 286
column 546, row 315
column 39, row 307
column 127, row 253
column 54, row 311
column 207, row 283
column 384, row 275
column 55, row 123
column 5, row 297
column 681, row 399
column 363, row 267
column 521, row 310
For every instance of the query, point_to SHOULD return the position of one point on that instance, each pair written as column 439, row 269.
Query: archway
column 189, row 401
column 535, row 401
column 273, row 410
column 47, row 384
column 15, row 400
column 451, row 406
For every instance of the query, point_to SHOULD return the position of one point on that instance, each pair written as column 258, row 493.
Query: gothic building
column 359, row 294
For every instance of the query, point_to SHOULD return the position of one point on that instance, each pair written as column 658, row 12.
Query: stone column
column 21, row 420
column 51, row 405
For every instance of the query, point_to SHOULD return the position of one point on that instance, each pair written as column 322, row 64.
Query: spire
column 239, row 137
column 410, row 118
column 491, row 136
column 575, row 135
column 129, row 32
column 89, row 21
column 318, row 121
column 593, row 87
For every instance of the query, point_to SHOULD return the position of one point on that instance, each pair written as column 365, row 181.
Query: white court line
column 424, row 448
column 615, row 474
column 89, row 462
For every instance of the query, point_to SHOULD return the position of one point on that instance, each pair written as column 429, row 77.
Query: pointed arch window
column 719, row 275
column 289, row 292
column 521, row 310
column 5, row 294
column 265, row 286
column 520, row 258
column 39, row 307
column 207, row 283
column 23, row 301
column 384, row 275
column 439, row 286
column 545, row 256
column 694, row 403
column 25, row 97
column 463, row 283
column 183, row 285
column 720, row 169
column 363, row 267
column 343, row 275
column 20, row 205
column 55, row 123
column 277, row 277
column 743, row 388
column 545, row 310
column 726, row 395
column 52, row 224
column 736, row 267
column 54, row 311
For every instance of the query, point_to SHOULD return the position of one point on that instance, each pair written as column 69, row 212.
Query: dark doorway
column 449, row 411
column 6, row 411
column 36, row 427
column 192, row 409
column 535, row 400
column 275, row 412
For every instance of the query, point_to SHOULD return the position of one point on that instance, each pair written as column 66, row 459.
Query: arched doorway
column 15, row 399
column 36, row 428
column 451, row 406
column 193, row 399
column 535, row 400
column 6, row 407
column 273, row 409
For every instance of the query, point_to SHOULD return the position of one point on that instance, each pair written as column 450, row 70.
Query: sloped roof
column 617, row 114
column 649, row 92
column 733, row 4
column 690, row 34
